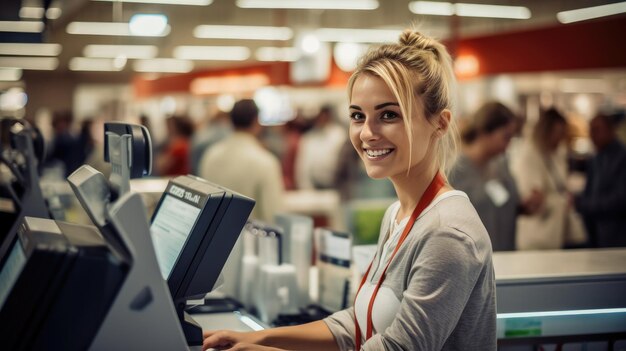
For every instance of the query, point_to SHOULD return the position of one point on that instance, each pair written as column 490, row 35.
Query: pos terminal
column 178, row 256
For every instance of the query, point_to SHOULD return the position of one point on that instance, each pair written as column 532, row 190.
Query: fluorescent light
column 21, row 26
column 243, row 32
column 147, row 25
column 268, row 53
column 128, row 51
column 53, row 13
column 167, row 2
column 357, row 35
column 591, row 12
column 35, row 63
column 163, row 65
column 94, row 64
column 310, row 4
column 492, row 11
column 431, row 8
column 35, row 12
column 224, row 53
column 560, row 313
column 106, row 28
column 27, row 49
column 31, row 12
column 468, row 10
column 10, row 74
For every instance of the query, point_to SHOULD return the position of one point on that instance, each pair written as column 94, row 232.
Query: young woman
column 431, row 284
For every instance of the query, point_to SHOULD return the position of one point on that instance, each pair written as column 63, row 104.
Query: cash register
column 21, row 152
column 177, row 257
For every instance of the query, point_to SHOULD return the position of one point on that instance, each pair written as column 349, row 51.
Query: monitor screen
column 11, row 270
column 170, row 227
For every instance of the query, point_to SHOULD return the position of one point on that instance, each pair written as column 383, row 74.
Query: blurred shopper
column 541, row 165
column 240, row 162
column 603, row 202
column 436, row 289
column 217, row 129
column 317, row 158
column 174, row 158
column 65, row 152
column 482, row 172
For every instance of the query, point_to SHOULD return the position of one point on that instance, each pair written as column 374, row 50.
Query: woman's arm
column 310, row 336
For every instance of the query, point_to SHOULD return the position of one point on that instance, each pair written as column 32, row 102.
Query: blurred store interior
column 178, row 67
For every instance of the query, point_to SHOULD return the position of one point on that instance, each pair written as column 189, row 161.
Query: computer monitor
column 194, row 228
column 56, row 285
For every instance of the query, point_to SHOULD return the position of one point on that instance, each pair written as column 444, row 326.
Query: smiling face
column 378, row 131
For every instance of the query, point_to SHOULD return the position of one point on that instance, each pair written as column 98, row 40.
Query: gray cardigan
column 443, row 275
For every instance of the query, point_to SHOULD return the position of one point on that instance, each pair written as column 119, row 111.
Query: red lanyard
column 429, row 195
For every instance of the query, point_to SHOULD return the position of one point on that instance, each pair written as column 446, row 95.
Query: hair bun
column 417, row 40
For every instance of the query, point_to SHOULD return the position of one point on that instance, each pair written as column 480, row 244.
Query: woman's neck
column 410, row 188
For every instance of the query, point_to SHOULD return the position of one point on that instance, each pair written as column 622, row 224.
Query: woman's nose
column 369, row 131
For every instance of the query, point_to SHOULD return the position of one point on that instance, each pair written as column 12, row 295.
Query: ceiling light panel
column 10, row 74
column 166, row 2
column 310, row 4
column 163, row 65
column 94, row 64
column 243, row 32
column 35, row 12
column 220, row 53
column 106, row 28
column 28, row 49
column 591, row 12
column 128, row 51
column 469, row 10
column 432, row 8
column 21, row 26
column 492, row 11
column 34, row 63
column 357, row 35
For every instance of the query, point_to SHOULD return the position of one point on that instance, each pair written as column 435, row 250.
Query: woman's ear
column 443, row 122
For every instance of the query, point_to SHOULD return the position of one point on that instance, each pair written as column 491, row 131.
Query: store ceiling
column 183, row 19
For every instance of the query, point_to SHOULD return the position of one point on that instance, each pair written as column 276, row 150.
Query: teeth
column 376, row 153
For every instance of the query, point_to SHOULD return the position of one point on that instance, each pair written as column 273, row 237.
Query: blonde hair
column 416, row 67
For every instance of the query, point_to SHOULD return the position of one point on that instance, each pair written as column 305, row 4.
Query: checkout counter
column 561, row 296
column 543, row 297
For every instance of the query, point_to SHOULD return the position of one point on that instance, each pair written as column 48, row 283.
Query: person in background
column 603, row 202
column 317, row 158
column 482, row 172
column 541, row 165
column 174, row 158
column 240, row 162
column 217, row 129
column 65, row 149
column 436, row 289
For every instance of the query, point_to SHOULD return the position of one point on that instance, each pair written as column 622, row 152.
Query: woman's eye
column 357, row 116
column 389, row 115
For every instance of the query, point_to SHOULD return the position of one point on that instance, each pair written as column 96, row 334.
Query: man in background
column 603, row 202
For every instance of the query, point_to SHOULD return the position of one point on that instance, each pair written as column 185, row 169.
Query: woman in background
column 174, row 159
column 482, row 172
column 431, row 284
column 541, row 165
